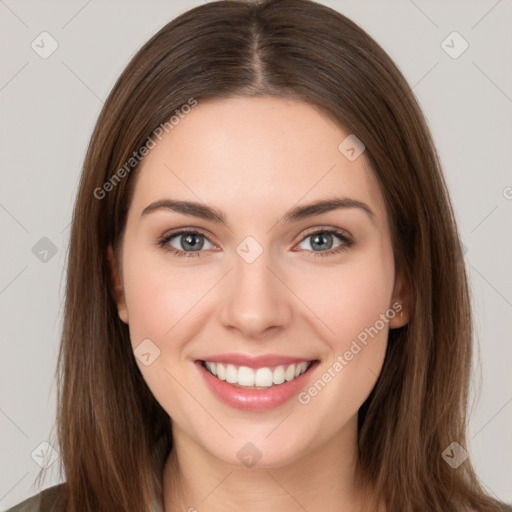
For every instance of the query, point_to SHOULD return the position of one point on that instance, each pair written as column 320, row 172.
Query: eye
column 187, row 243
column 190, row 243
column 323, row 239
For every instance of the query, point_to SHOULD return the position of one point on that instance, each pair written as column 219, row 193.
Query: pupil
column 318, row 237
column 192, row 244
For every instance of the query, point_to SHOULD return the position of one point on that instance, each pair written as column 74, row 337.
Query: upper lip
column 266, row 360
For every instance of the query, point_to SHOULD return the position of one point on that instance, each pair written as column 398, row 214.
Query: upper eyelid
column 339, row 231
column 186, row 231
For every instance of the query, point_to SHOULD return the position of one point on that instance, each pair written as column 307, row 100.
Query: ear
column 117, row 286
column 400, row 301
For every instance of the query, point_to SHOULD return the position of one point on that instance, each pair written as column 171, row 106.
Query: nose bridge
column 256, row 299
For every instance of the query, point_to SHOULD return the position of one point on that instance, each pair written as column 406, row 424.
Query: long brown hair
column 114, row 436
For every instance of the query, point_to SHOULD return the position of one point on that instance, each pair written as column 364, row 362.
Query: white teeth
column 231, row 374
column 263, row 377
column 212, row 367
column 289, row 374
column 260, row 378
column 245, row 376
column 278, row 375
column 221, row 371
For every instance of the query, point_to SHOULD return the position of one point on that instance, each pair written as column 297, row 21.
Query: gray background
column 49, row 107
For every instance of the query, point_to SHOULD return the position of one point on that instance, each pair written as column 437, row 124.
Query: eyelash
column 346, row 243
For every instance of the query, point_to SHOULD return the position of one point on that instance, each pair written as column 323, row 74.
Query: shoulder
column 48, row 500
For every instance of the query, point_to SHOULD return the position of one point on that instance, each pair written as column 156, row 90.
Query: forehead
column 252, row 154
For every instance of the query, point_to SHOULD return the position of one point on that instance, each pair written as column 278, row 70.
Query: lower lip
column 253, row 399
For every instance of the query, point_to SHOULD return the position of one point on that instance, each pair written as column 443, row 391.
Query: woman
column 214, row 355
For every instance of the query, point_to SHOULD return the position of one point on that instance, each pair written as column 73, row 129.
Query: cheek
column 352, row 302
column 162, row 297
column 350, row 298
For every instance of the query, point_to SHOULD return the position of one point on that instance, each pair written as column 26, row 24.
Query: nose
column 258, row 301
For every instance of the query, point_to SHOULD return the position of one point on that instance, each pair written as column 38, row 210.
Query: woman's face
column 262, row 277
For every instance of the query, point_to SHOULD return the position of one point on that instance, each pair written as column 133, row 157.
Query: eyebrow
column 297, row 213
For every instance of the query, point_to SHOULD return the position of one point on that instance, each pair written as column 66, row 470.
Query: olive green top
column 48, row 500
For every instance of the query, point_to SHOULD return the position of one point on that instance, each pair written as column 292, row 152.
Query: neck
column 323, row 479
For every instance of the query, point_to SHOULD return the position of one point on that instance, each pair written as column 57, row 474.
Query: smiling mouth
column 256, row 378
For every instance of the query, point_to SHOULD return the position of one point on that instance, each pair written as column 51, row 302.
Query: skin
column 254, row 159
